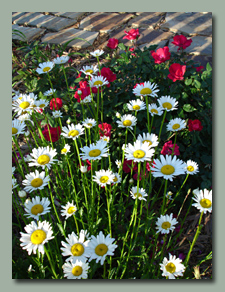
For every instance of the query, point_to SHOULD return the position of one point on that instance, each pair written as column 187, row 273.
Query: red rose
column 132, row 34
column 56, row 102
column 181, row 41
column 199, row 69
column 85, row 91
column 161, row 55
column 105, row 130
column 112, row 43
column 131, row 50
column 177, row 72
column 168, row 147
column 194, row 125
column 108, row 74
column 54, row 132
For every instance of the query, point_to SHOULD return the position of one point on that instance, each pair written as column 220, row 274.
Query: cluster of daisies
column 82, row 248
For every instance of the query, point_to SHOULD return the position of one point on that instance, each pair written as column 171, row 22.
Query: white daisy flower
column 95, row 151
column 68, row 210
column 168, row 167
column 165, row 224
column 72, row 131
column 66, row 149
column 57, row 114
column 168, row 103
column 41, row 103
column 169, row 195
column 49, row 92
column 45, row 67
column 141, row 193
column 191, row 167
column 35, row 181
column 61, row 60
column 89, row 70
column 43, row 156
column 14, row 183
column 117, row 179
column 118, row 163
column 13, row 170
column 203, row 199
column 37, row 207
column 18, row 127
column 19, row 96
column 151, row 139
column 172, row 268
column 127, row 121
column 24, row 105
column 136, row 105
column 87, row 99
column 124, row 146
column 36, row 236
column 77, row 248
column 139, row 152
column 97, row 53
column 25, row 117
column 83, row 168
column 101, row 246
column 77, row 270
column 98, row 81
column 89, row 123
column 146, row 89
column 176, row 125
column 155, row 110
column 103, row 177
column 105, row 138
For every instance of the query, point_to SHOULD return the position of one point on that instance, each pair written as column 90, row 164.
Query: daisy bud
column 68, row 121
column 27, row 133
column 83, row 169
column 131, row 181
column 120, row 134
column 22, row 194
column 30, row 269
column 79, row 92
column 118, row 115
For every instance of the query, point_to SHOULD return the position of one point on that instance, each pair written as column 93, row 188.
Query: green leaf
column 139, row 61
column 189, row 108
column 188, row 81
column 122, row 46
column 197, row 84
column 208, row 67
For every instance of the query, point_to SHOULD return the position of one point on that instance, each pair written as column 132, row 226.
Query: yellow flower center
column 77, row 249
column 89, row 124
column 115, row 179
column 42, row 105
column 167, row 169
column 46, row 69
column 146, row 91
column 38, row 236
column 176, row 126
column 71, row 210
column 101, row 249
column 127, row 123
column 94, row 153
column 139, row 154
column 205, row 203
column 104, row 179
column 37, row 182
column 137, row 194
column 24, row 104
column 190, row 168
column 37, row 209
column 77, row 271
column 20, row 97
column 166, row 225
column 149, row 142
column 167, row 105
column 73, row 133
column 98, row 82
column 43, row 159
column 64, row 150
column 14, row 130
column 89, row 71
column 154, row 111
column 136, row 107
column 171, row 268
